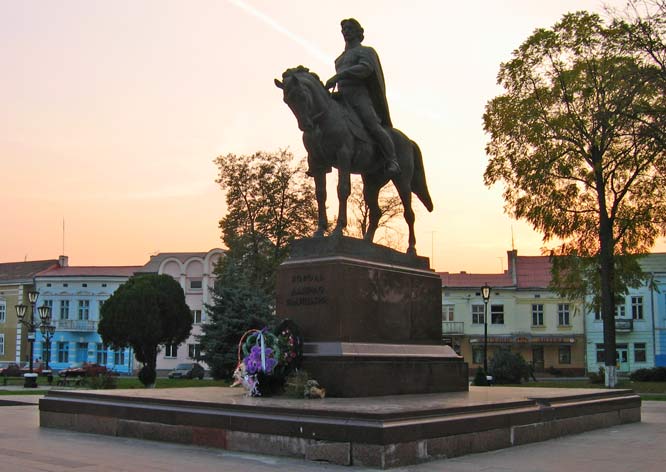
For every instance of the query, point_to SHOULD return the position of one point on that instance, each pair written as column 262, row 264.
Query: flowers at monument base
column 265, row 358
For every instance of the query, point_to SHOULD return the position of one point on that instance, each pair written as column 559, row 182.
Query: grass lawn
column 122, row 382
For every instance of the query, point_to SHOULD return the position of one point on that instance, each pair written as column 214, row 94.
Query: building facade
column 16, row 280
column 75, row 295
column 523, row 316
column 640, row 319
column 195, row 273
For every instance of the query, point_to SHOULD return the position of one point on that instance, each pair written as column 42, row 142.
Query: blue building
column 75, row 295
column 655, row 266
column 640, row 322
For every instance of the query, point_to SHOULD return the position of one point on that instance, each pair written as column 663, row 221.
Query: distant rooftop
column 90, row 271
column 153, row 264
column 523, row 272
column 23, row 272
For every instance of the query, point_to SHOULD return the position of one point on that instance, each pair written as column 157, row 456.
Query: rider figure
column 361, row 84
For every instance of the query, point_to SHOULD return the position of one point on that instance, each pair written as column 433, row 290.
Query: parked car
column 10, row 369
column 83, row 369
column 187, row 371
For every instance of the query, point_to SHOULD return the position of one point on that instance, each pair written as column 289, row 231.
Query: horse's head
column 300, row 87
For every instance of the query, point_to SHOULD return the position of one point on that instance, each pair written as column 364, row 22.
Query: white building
column 195, row 273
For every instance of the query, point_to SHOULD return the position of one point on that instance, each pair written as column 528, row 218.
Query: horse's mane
column 302, row 70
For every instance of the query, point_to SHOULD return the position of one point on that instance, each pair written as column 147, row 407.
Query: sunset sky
column 113, row 111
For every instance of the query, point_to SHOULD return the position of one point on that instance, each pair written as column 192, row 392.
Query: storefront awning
column 524, row 339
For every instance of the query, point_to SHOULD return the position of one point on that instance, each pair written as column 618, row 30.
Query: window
column 193, row 351
column 565, row 354
column 84, row 285
column 3, row 311
column 477, row 355
column 637, row 308
column 196, row 284
column 63, row 351
column 64, row 309
column 84, row 309
column 477, row 314
column 196, row 316
column 497, row 314
column 601, row 353
column 563, row 314
column 2, row 343
column 537, row 314
column 102, row 354
column 620, row 311
column 170, row 350
column 447, row 312
column 597, row 313
column 119, row 357
column 639, row 352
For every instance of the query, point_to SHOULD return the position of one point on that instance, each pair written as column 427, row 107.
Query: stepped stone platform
column 379, row 432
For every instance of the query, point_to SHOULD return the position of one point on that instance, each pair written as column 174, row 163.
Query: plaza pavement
column 26, row 447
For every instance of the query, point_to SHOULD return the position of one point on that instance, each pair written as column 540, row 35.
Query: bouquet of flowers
column 265, row 358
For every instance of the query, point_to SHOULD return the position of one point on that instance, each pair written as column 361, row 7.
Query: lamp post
column 485, row 293
column 47, row 330
column 32, row 325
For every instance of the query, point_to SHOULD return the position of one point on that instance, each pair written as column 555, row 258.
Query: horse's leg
column 405, row 193
column 344, row 189
column 371, row 196
column 320, row 193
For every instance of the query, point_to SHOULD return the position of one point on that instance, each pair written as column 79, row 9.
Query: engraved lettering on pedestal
column 306, row 290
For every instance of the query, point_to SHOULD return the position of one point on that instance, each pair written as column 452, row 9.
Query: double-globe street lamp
column 32, row 325
column 485, row 293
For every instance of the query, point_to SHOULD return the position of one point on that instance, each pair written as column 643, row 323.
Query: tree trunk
column 606, row 272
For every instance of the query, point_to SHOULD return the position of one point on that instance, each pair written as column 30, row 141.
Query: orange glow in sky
column 112, row 113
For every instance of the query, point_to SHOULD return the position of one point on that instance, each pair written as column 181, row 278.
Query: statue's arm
column 359, row 71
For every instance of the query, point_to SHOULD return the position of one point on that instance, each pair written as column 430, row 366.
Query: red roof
column 463, row 279
column 90, row 271
column 530, row 272
column 533, row 272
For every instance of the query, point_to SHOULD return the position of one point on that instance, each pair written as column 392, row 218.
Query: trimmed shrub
column 507, row 367
column 655, row 374
column 480, row 379
column 597, row 377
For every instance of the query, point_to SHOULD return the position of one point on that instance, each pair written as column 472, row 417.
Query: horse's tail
column 419, row 185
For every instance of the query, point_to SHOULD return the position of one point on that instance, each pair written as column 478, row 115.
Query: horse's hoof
column 319, row 233
column 336, row 233
column 411, row 251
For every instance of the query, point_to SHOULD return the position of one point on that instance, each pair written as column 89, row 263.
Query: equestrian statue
column 351, row 130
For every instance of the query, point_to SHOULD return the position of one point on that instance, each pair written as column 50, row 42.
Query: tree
column 145, row 312
column 390, row 206
column 573, row 140
column 269, row 204
column 235, row 310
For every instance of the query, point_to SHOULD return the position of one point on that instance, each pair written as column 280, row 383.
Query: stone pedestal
column 370, row 317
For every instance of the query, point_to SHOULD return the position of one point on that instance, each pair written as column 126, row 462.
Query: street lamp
column 32, row 326
column 485, row 293
column 48, row 330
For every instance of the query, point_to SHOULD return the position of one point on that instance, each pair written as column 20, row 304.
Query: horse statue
column 333, row 137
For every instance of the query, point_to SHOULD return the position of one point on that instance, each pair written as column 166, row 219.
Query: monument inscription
column 307, row 289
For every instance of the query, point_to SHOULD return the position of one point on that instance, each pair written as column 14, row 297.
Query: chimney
column 512, row 256
column 63, row 261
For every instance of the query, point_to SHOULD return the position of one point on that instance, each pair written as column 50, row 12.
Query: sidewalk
column 26, row 447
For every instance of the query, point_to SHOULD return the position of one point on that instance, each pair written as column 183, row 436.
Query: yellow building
column 523, row 316
column 16, row 280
